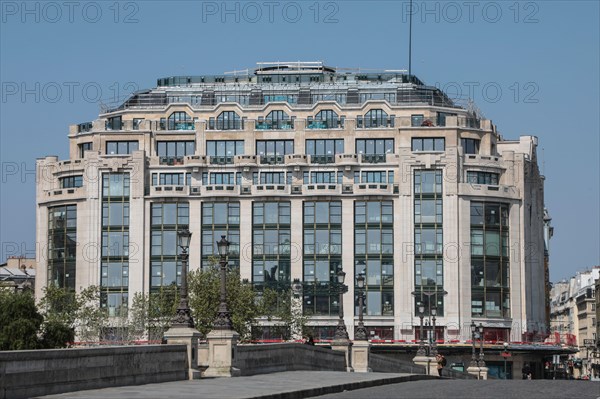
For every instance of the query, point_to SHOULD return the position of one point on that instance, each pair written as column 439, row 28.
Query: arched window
column 180, row 121
column 227, row 120
column 325, row 119
column 276, row 120
column 375, row 118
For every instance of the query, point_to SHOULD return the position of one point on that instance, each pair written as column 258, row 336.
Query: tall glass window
column 490, row 272
column 374, row 150
column 428, row 230
column 62, row 246
column 165, row 262
column 114, row 270
column 274, row 151
column 222, row 151
column 220, row 219
column 324, row 150
column 271, row 245
column 322, row 256
column 374, row 254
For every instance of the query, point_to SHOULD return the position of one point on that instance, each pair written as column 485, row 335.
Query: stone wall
column 385, row 364
column 272, row 358
column 25, row 374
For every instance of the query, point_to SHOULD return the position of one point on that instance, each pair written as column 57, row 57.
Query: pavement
column 473, row 389
column 285, row 385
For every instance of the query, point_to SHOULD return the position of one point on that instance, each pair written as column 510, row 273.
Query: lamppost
column 183, row 317
column 473, row 355
column 361, row 332
column 223, row 320
column 341, row 333
column 421, row 351
column 480, row 330
column 505, row 355
column 433, row 346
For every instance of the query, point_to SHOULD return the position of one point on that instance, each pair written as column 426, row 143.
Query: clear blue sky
column 533, row 68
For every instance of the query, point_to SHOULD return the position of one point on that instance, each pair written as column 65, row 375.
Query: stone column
column 346, row 347
column 187, row 336
column 428, row 362
column 360, row 356
column 222, row 347
column 480, row 372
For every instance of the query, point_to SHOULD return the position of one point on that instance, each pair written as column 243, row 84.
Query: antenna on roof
column 410, row 41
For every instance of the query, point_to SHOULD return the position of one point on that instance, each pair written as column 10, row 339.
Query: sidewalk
column 286, row 385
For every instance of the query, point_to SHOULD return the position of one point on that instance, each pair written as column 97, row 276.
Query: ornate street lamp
column 223, row 320
column 473, row 355
column 480, row 330
column 361, row 332
column 421, row 351
column 341, row 333
column 183, row 317
column 433, row 347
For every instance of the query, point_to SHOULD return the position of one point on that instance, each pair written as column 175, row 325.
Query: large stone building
column 573, row 319
column 306, row 169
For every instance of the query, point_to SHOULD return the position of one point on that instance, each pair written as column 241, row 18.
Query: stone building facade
column 306, row 169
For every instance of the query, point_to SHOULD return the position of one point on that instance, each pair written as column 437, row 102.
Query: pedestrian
column 310, row 340
column 441, row 362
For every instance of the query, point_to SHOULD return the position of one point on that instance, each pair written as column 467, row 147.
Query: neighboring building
column 18, row 273
column 306, row 169
column 573, row 318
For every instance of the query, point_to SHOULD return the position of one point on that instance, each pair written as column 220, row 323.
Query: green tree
column 80, row 312
column 151, row 315
column 20, row 321
column 22, row 326
column 204, row 291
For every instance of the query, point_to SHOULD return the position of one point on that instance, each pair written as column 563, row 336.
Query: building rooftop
column 297, row 83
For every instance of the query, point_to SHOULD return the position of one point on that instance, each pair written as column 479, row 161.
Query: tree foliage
column 23, row 327
column 204, row 291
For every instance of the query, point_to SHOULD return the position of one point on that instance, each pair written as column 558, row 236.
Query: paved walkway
column 286, row 385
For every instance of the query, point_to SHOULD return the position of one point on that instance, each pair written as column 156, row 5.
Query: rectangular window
column 221, row 152
column 416, row 120
column 71, row 181
column 323, row 151
column 470, row 146
column 274, row 151
column 273, row 178
column 477, row 177
column 114, row 123
column 428, row 144
column 220, row 219
column 490, row 272
column 83, row 147
column 374, row 254
column 429, row 238
column 175, row 149
column 62, row 246
column 121, row 147
column 165, row 263
column 271, row 245
column 114, row 266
